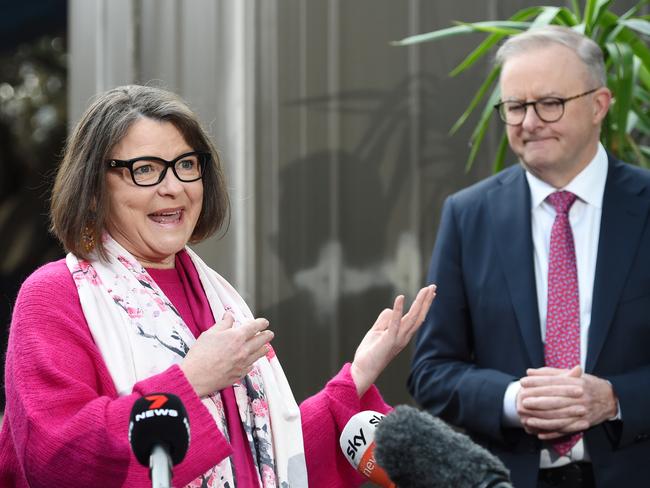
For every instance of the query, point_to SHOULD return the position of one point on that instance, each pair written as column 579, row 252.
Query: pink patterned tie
column 562, row 348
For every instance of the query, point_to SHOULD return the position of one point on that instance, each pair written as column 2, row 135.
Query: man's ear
column 602, row 101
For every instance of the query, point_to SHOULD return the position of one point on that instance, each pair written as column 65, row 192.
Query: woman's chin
column 160, row 254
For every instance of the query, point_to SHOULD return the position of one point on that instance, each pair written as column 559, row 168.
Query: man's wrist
column 510, row 415
column 616, row 406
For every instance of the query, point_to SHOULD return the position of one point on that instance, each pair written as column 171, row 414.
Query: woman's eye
column 143, row 170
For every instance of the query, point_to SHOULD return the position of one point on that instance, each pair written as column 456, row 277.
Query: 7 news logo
column 155, row 410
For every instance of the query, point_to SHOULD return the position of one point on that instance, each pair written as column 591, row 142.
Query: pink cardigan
column 65, row 425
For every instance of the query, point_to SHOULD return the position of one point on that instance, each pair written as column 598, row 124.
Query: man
column 538, row 343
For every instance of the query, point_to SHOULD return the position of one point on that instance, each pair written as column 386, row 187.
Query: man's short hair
column 585, row 48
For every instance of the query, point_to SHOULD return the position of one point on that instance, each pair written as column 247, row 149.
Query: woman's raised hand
column 223, row 354
column 387, row 337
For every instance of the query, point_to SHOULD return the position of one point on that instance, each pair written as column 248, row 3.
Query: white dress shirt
column 584, row 217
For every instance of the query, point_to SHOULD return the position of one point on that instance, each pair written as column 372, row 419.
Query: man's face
column 555, row 152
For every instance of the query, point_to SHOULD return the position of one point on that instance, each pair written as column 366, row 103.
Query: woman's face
column 154, row 222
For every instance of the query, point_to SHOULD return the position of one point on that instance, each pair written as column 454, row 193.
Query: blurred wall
column 33, row 116
column 335, row 143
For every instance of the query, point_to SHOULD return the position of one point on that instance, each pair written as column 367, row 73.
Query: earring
column 88, row 238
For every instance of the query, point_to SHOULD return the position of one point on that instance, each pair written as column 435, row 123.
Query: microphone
column 357, row 444
column 418, row 450
column 159, row 433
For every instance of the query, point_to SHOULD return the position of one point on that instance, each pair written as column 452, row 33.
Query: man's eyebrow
column 540, row 97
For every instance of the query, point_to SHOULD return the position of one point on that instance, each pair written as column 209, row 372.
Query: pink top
column 183, row 287
column 65, row 425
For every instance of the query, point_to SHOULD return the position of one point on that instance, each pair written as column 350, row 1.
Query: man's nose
column 531, row 119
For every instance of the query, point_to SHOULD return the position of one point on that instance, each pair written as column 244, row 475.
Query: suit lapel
column 624, row 213
column 510, row 214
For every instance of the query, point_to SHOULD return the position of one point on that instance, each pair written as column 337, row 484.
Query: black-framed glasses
column 548, row 109
column 150, row 170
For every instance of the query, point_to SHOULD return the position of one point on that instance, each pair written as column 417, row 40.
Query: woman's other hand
column 387, row 337
column 223, row 354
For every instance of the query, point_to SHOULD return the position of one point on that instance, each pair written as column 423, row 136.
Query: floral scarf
column 140, row 333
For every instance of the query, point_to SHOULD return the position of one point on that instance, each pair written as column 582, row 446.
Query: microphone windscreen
column 418, row 450
column 159, row 418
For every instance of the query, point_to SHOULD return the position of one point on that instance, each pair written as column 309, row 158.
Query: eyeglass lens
column 148, row 171
column 547, row 109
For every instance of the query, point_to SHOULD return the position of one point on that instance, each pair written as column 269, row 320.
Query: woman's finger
column 252, row 328
column 415, row 307
column 383, row 320
column 427, row 303
column 419, row 306
column 396, row 317
column 261, row 351
column 226, row 322
column 418, row 311
column 259, row 340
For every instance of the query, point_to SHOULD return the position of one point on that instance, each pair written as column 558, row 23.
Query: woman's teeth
column 166, row 217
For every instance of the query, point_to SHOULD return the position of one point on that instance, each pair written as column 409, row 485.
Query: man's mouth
column 537, row 139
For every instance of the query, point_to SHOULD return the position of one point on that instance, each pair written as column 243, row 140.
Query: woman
column 132, row 310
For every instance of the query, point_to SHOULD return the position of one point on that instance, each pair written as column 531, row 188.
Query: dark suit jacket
column 483, row 330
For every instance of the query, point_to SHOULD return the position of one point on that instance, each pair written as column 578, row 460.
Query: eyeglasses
column 548, row 109
column 151, row 170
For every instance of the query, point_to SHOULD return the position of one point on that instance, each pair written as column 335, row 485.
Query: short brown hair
column 79, row 200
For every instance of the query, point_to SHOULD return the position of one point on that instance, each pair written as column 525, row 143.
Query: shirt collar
column 588, row 185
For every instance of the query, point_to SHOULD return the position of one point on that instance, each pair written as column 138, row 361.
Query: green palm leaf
column 463, row 28
column 481, row 128
column 477, row 99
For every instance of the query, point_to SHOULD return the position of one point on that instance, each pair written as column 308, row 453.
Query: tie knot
column 562, row 201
